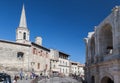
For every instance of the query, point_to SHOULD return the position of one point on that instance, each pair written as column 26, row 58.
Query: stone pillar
column 89, row 51
column 97, row 78
column 96, row 45
column 117, row 79
column 86, row 44
column 116, row 26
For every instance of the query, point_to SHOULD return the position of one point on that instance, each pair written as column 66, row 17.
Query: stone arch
column 105, row 39
column 107, row 79
column 24, row 35
column 106, row 74
column 93, row 79
column 92, row 47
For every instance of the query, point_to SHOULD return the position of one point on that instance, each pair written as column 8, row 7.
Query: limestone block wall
column 9, row 60
column 108, row 69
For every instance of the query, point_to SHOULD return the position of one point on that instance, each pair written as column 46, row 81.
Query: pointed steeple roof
column 23, row 22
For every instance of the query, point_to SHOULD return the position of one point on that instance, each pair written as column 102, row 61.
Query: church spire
column 23, row 22
column 22, row 32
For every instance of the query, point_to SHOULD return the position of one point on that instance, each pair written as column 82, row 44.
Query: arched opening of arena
column 92, row 79
column 106, row 40
column 107, row 80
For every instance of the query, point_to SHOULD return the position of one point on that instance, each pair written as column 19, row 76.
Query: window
column 41, row 53
column 60, row 61
column 20, row 55
column 24, row 36
column 54, row 66
column 60, row 70
column 34, row 50
column 46, row 54
column 38, row 65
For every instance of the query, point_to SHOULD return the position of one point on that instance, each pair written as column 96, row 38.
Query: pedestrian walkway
column 59, row 80
column 53, row 80
column 24, row 81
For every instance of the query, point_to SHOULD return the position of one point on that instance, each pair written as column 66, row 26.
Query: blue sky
column 61, row 23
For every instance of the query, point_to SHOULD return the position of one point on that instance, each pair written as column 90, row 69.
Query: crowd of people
column 34, row 77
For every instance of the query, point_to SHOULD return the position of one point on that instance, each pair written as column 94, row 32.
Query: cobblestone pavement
column 53, row 80
column 24, row 81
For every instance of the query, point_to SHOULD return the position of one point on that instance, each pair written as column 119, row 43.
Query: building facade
column 64, row 64
column 76, row 69
column 103, row 51
column 54, row 62
column 59, row 63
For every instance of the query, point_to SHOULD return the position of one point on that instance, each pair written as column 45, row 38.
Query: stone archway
column 93, row 79
column 105, row 39
column 107, row 80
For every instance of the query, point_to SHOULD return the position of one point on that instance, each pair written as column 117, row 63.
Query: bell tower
column 22, row 32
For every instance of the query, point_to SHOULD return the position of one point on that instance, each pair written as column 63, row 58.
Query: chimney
column 38, row 40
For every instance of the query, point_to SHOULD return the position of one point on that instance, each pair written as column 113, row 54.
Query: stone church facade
column 24, row 55
column 103, row 50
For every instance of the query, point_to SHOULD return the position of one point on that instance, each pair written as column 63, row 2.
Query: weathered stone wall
column 110, row 69
column 107, row 50
column 9, row 60
column 42, row 58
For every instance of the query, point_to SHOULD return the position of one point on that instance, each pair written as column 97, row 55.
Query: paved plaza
column 53, row 80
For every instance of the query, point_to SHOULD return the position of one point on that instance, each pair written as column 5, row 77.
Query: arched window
column 24, row 36
column 92, row 79
column 20, row 55
column 105, row 40
column 107, row 80
column 34, row 50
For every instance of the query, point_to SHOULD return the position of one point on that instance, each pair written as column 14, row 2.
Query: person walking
column 26, row 76
column 21, row 75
